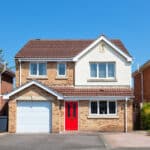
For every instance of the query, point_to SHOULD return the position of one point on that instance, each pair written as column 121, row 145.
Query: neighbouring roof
column 60, row 48
column 74, row 91
column 141, row 68
column 7, row 71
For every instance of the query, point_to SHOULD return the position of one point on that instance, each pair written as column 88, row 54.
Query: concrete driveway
column 51, row 142
column 127, row 141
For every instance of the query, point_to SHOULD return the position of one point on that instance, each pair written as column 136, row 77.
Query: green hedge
column 145, row 116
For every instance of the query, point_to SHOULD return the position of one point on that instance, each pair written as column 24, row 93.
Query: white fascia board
column 102, row 38
column 90, row 98
column 45, row 59
column 59, row 96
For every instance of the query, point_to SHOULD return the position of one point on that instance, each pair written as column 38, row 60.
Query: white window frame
column 98, row 114
column 37, row 75
column 58, row 75
column 97, row 65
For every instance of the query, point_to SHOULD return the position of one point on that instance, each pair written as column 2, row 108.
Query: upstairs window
column 61, row 69
column 38, row 69
column 102, row 70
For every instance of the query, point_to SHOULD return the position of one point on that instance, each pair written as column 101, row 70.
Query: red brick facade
column 6, row 86
column 142, row 84
column 141, row 91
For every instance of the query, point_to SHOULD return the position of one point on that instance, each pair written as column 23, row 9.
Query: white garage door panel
column 33, row 117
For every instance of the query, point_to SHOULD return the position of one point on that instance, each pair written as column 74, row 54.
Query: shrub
column 145, row 116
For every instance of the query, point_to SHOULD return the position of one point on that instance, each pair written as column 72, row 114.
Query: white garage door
column 33, row 117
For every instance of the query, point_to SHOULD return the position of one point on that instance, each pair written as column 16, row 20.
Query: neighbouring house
column 141, row 90
column 71, row 85
column 6, row 85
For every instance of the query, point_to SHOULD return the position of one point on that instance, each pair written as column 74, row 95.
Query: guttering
column 46, row 59
column 90, row 98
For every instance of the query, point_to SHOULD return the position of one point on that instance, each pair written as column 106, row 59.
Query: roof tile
column 58, row 48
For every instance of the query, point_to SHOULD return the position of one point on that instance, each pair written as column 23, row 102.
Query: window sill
column 101, row 80
column 38, row 77
column 103, row 116
column 61, row 78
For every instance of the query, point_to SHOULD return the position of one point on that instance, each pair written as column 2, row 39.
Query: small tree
column 145, row 116
column 1, row 56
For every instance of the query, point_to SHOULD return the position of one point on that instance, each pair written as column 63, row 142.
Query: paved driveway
column 51, row 142
column 127, row 141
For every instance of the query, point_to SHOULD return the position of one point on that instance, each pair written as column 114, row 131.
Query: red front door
column 71, row 115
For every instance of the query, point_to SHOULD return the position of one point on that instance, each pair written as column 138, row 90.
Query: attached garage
column 33, row 117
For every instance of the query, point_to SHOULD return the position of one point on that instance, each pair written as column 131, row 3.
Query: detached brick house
column 65, row 85
column 6, row 85
column 141, row 89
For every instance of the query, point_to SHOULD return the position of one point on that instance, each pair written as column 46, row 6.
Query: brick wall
column 51, row 74
column 146, row 86
column 104, row 124
column 7, row 86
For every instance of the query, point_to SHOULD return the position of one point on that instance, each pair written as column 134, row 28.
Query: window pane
column 61, row 69
column 103, row 107
column 112, row 107
column 33, row 69
column 42, row 68
column 111, row 70
column 93, row 70
column 102, row 70
column 93, row 107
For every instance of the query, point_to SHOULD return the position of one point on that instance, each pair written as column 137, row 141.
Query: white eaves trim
column 102, row 38
column 90, row 98
column 59, row 96
column 45, row 59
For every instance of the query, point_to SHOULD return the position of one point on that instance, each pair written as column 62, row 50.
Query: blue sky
column 22, row 20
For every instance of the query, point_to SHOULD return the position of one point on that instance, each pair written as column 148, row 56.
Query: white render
column 33, row 117
column 123, row 67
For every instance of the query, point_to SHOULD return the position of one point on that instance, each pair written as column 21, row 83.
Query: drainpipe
column 19, row 72
column 142, row 88
column 126, row 115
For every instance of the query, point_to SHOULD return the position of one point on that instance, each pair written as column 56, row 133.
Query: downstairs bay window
column 103, row 108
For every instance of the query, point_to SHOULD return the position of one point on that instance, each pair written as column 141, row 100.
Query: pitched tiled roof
column 73, row 91
column 141, row 68
column 58, row 48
